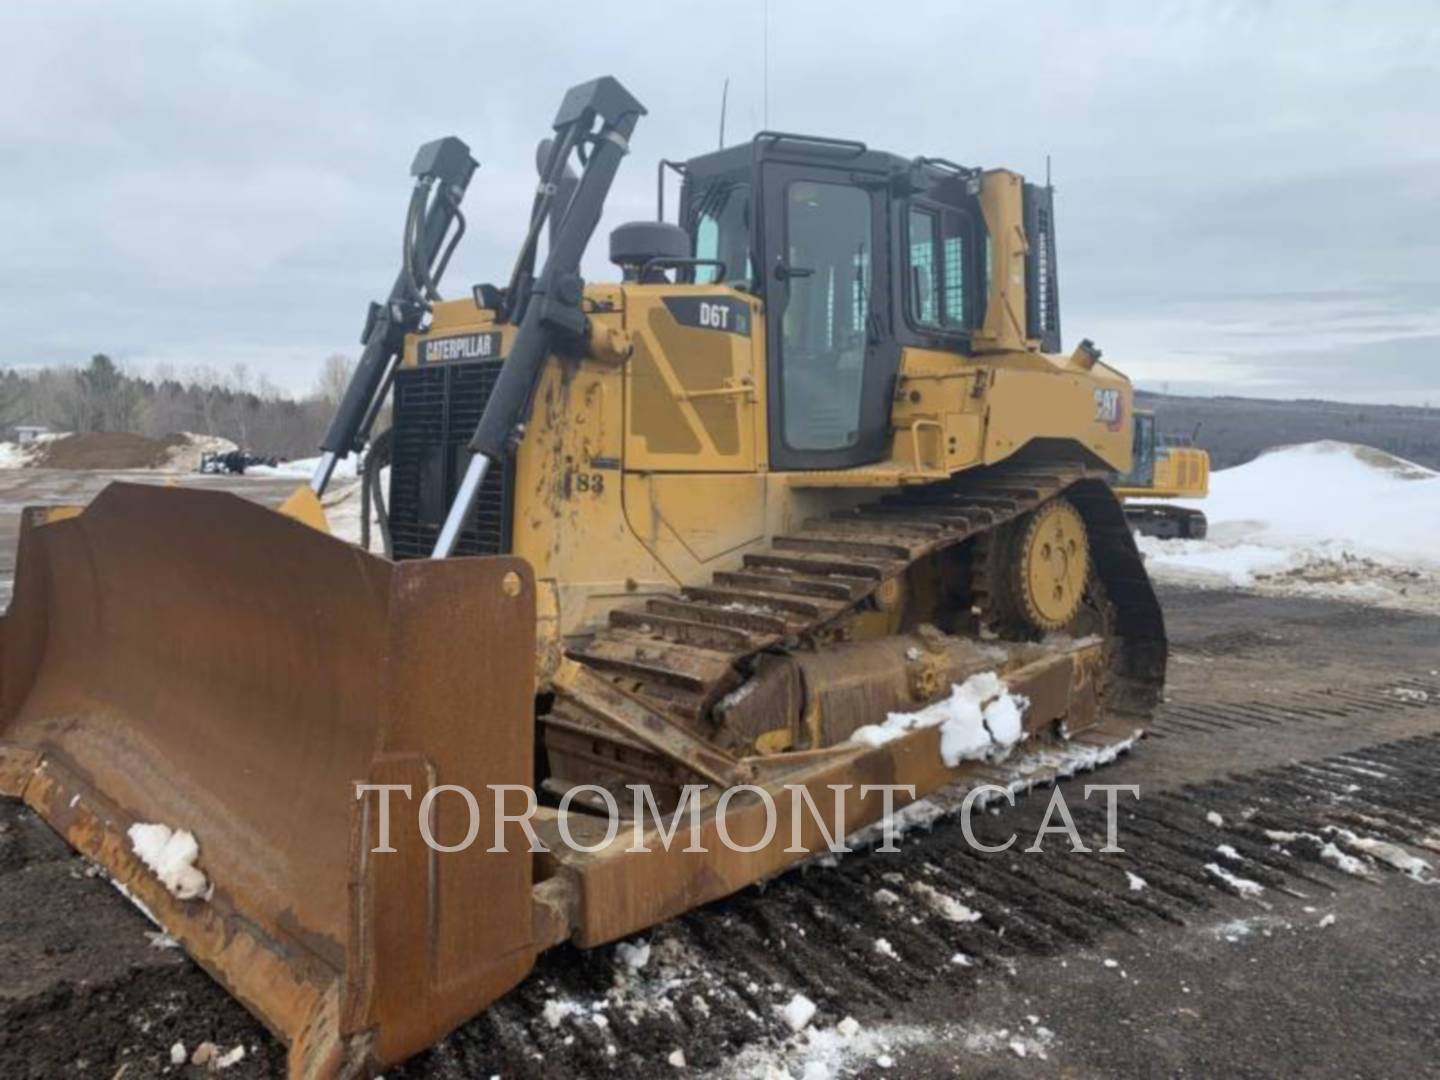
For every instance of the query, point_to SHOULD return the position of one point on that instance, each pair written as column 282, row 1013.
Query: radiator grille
column 436, row 410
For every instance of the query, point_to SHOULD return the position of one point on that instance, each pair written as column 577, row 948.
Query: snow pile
column 304, row 468
column 185, row 455
column 980, row 720
column 14, row 455
column 1327, row 517
column 170, row 855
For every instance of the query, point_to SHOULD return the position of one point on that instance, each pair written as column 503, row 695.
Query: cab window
column 939, row 292
column 823, row 327
column 722, row 231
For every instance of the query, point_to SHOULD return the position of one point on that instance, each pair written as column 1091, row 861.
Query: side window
column 954, row 311
column 722, row 231
column 707, row 246
column 941, row 254
column 924, row 275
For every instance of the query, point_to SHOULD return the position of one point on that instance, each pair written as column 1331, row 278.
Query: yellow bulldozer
column 1164, row 468
column 717, row 532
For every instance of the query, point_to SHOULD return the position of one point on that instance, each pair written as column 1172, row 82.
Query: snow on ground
column 302, row 468
column 15, row 455
column 1250, row 890
column 342, row 508
column 1232, row 930
column 824, row 1053
column 1360, row 855
column 1324, row 518
column 186, row 456
column 342, row 497
column 854, row 1049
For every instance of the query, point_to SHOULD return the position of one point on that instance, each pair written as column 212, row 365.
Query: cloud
column 229, row 179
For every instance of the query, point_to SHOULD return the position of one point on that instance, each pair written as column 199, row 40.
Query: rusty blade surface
column 189, row 658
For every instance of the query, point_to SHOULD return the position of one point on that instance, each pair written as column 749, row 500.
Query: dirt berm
column 108, row 450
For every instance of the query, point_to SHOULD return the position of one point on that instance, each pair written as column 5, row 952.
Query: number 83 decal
column 591, row 483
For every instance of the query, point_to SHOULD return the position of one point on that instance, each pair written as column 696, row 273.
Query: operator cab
column 856, row 254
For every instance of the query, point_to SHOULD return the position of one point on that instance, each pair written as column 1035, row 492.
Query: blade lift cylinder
column 549, row 310
column 442, row 171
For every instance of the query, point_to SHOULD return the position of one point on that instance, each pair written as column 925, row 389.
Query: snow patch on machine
column 980, row 720
column 170, row 855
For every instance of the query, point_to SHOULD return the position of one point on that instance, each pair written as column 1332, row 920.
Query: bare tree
column 14, row 400
column 239, row 405
column 334, row 377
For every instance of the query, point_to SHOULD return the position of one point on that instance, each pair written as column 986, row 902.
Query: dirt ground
column 1291, row 718
column 20, row 488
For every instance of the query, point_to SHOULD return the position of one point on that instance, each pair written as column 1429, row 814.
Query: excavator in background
column 1164, row 468
column 816, row 458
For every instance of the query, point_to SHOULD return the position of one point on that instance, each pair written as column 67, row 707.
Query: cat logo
column 462, row 347
column 1108, row 410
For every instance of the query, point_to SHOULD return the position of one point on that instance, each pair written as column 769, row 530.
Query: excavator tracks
column 678, row 655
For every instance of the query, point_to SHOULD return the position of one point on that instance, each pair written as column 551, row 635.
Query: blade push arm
column 442, row 170
column 602, row 115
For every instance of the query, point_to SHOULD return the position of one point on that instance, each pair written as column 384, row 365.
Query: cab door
column 832, row 357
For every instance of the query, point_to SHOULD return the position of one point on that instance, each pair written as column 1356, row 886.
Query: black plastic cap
column 447, row 159
column 604, row 95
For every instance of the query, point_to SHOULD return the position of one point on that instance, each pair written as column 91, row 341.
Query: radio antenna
column 765, row 35
column 724, row 97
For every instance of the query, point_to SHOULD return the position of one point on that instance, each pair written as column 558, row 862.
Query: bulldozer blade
column 186, row 658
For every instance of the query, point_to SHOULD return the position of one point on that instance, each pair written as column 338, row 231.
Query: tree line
column 237, row 405
column 1235, row 430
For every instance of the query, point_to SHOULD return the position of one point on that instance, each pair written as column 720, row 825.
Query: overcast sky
column 1249, row 193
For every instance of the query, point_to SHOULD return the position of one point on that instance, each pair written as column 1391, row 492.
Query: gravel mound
column 108, row 450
